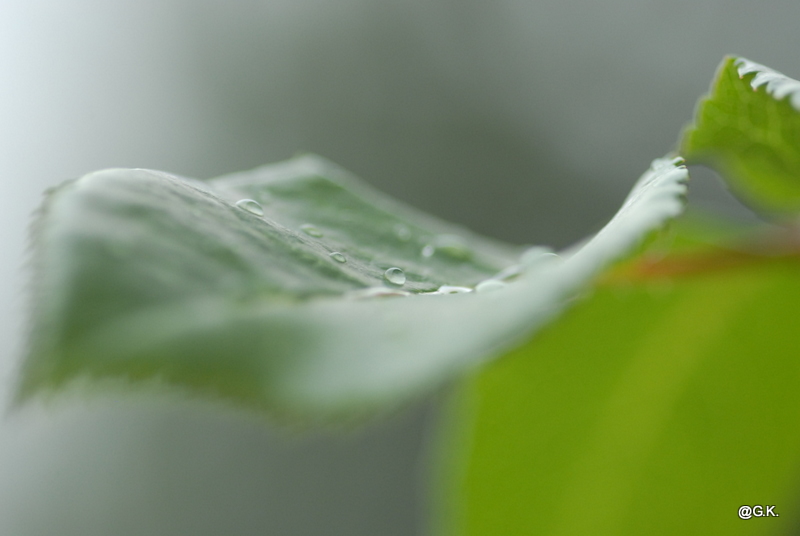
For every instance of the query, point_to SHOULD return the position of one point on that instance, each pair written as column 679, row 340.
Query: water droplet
column 310, row 230
column 489, row 285
column 402, row 232
column 508, row 273
column 453, row 246
column 428, row 251
column 253, row 207
column 338, row 257
column 448, row 289
column 378, row 292
column 536, row 255
column 395, row 276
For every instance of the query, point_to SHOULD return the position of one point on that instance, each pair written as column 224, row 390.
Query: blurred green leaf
column 652, row 408
column 749, row 129
column 275, row 302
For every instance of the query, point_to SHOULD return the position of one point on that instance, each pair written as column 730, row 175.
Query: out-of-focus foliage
column 656, row 407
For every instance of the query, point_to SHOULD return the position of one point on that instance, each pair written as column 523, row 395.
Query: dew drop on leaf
column 378, row 292
column 536, row 255
column 449, row 289
column 402, row 232
column 452, row 246
column 338, row 257
column 310, row 230
column 489, row 285
column 251, row 206
column 508, row 273
column 395, row 276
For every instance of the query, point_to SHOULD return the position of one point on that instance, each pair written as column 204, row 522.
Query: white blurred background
column 527, row 121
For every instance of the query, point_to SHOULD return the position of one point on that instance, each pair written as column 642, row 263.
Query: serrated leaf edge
column 778, row 85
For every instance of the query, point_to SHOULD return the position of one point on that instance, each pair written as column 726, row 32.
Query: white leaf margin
column 778, row 85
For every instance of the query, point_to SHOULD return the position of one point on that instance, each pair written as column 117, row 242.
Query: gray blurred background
column 527, row 121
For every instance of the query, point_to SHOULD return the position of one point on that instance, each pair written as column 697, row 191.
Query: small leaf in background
column 657, row 406
column 749, row 129
column 293, row 288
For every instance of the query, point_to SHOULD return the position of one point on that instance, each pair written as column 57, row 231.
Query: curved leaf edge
column 515, row 312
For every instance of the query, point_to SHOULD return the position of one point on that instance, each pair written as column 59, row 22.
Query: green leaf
column 749, row 129
column 144, row 277
column 654, row 408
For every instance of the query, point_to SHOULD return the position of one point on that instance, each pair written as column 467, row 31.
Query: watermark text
column 757, row 510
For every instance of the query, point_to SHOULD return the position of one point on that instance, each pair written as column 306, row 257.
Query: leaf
column 656, row 408
column 749, row 129
column 140, row 275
